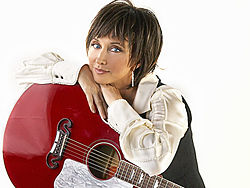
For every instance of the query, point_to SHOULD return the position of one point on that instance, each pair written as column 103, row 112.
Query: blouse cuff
column 121, row 115
column 47, row 68
column 65, row 73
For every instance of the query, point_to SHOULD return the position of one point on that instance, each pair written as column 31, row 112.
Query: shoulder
column 167, row 107
column 152, row 85
column 170, row 99
column 167, row 92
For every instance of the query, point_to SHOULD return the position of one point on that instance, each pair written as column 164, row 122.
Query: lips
column 100, row 71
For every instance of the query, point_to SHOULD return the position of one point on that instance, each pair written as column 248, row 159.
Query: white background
column 206, row 55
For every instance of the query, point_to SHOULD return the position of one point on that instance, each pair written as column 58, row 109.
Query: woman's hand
column 110, row 93
column 92, row 91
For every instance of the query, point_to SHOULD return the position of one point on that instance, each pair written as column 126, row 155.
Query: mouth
column 100, row 71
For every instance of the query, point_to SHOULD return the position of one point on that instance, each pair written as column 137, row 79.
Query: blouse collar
column 144, row 92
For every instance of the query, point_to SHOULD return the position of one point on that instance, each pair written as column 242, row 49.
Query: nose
column 101, row 57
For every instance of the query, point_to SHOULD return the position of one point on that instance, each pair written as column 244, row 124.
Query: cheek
column 120, row 70
column 119, row 62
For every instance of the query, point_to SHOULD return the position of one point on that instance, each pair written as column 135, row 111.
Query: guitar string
column 150, row 183
column 114, row 159
column 168, row 182
column 85, row 150
column 98, row 169
column 110, row 173
column 104, row 158
column 115, row 162
column 88, row 148
column 98, row 160
column 85, row 160
column 121, row 175
column 100, row 156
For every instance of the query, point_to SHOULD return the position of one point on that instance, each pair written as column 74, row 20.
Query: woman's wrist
column 83, row 71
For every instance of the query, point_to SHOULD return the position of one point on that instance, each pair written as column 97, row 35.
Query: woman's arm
column 92, row 91
column 45, row 69
column 51, row 68
column 150, row 143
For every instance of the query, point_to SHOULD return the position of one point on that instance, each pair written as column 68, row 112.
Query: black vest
column 183, row 170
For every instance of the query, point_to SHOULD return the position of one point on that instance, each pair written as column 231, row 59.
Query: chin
column 101, row 81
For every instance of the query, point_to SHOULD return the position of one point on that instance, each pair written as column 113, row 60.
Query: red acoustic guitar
column 51, row 123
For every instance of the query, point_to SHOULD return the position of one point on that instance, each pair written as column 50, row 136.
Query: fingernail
column 103, row 116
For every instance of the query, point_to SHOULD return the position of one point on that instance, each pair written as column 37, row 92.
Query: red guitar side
column 38, row 139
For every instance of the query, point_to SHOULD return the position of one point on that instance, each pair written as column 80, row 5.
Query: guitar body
column 32, row 127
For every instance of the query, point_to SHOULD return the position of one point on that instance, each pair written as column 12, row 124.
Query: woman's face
column 108, row 61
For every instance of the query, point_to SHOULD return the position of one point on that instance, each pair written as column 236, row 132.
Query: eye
column 96, row 45
column 115, row 49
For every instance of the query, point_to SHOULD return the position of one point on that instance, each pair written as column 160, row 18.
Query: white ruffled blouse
column 150, row 143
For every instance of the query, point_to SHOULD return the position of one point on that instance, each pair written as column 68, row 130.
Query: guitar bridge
column 56, row 152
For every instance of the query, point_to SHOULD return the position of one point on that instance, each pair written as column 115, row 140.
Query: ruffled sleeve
column 151, row 143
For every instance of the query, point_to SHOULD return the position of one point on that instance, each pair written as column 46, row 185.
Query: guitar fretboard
column 136, row 176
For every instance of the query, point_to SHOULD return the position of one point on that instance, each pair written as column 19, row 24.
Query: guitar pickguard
column 75, row 174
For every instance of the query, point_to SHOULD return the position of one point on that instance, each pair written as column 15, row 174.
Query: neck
column 123, row 83
column 128, row 94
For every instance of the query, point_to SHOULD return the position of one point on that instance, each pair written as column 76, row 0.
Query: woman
column 153, row 119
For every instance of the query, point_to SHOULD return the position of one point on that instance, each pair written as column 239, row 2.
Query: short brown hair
column 138, row 26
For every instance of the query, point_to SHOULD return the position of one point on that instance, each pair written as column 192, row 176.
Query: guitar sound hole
column 103, row 160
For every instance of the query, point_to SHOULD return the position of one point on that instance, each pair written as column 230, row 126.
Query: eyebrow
column 113, row 42
column 119, row 43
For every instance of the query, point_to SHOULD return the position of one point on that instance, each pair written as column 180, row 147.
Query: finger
column 100, row 105
column 90, row 102
column 105, row 106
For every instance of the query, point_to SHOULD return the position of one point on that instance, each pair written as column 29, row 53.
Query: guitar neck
column 136, row 176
